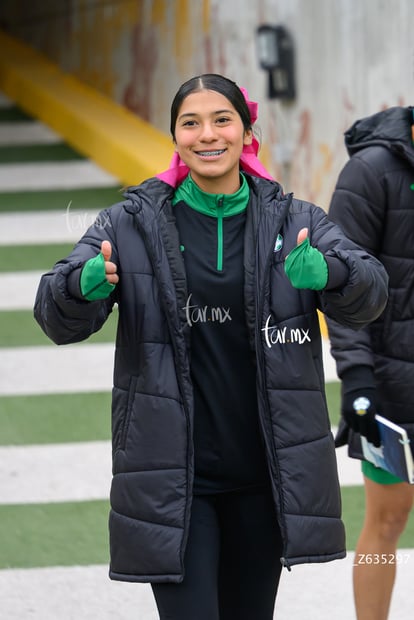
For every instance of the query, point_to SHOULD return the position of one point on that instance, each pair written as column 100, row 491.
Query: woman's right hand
column 99, row 275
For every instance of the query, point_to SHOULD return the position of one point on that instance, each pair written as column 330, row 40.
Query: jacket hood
column 390, row 128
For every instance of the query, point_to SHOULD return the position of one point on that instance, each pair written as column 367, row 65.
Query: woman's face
column 209, row 138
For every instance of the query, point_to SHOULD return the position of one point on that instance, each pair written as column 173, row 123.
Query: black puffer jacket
column 152, row 395
column 374, row 204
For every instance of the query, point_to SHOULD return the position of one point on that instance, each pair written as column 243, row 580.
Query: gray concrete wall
column 353, row 58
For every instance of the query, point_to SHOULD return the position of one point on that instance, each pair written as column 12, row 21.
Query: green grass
column 76, row 533
column 18, row 328
column 59, row 200
column 61, row 534
column 60, row 151
column 51, row 418
column 353, row 507
column 32, row 257
column 333, row 397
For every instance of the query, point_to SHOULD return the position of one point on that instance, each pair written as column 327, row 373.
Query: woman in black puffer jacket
column 219, row 417
column 374, row 204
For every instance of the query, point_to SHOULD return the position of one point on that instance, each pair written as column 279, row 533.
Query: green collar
column 215, row 205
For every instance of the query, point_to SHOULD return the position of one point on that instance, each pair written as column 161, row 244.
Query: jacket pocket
column 128, row 412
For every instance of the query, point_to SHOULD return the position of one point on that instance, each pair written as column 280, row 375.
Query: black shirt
column 229, row 452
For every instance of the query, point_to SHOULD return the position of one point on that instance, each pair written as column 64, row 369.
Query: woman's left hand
column 305, row 266
column 302, row 234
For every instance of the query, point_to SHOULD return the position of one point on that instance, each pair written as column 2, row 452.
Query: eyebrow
column 187, row 114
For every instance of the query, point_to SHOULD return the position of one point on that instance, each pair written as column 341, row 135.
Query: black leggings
column 232, row 561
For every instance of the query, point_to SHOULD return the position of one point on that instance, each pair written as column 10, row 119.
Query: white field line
column 56, row 370
column 86, row 593
column 329, row 363
column 18, row 290
column 55, row 472
column 72, row 593
column 349, row 470
column 82, row 471
column 53, row 175
column 50, row 369
column 45, row 227
column 27, row 133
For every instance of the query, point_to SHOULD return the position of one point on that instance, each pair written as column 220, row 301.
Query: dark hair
column 211, row 81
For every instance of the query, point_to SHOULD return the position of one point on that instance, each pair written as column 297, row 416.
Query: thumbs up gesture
column 99, row 275
column 305, row 266
column 302, row 235
column 110, row 268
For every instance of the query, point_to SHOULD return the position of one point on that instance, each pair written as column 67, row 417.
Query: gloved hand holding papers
column 394, row 454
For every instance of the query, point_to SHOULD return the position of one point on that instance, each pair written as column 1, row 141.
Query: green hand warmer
column 306, row 267
column 93, row 282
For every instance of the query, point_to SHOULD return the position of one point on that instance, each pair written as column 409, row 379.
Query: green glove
column 306, row 267
column 93, row 282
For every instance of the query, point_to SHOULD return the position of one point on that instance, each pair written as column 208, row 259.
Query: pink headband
column 249, row 162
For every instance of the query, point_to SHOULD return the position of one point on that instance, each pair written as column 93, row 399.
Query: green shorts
column 377, row 474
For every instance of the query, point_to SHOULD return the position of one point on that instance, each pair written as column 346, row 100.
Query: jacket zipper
column 220, row 241
column 260, row 357
column 261, row 364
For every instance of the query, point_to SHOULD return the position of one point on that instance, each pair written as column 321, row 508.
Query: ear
column 248, row 137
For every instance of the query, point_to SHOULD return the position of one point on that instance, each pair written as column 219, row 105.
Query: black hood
column 390, row 128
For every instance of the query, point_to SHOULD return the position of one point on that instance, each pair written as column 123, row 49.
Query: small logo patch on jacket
column 278, row 243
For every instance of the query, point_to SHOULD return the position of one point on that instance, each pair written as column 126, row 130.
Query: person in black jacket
column 220, row 427
column 374, row 204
